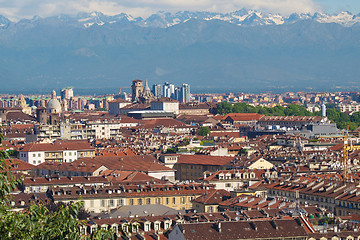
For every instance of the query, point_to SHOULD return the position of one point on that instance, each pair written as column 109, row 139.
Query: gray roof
column 141, row 211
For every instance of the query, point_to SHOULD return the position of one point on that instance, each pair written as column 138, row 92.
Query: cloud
column 144, row 8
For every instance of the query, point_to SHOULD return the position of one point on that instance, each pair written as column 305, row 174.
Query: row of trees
column 291, row 110
column 342, row 120
column 38, row 221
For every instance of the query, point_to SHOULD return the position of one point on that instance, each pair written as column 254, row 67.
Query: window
column 157, row 226
column 166, row 201
column 182, row 200
column 174, row 200
column 103, row 203
column 158, row 200
column 69, row 153
column 120, row 202
column 131, row 202
column 140, row 202
column 147, row 227
column 34, row 155
column 228, row 185
column 111, row 202
column 38, row 154
column 148, row 201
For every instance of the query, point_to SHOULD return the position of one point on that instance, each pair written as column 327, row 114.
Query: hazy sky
column 17, row 9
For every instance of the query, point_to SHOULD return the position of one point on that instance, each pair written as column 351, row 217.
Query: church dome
column 53, row 106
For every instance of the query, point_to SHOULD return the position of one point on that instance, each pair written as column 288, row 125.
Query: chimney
column 252, row 224
column 218, row 226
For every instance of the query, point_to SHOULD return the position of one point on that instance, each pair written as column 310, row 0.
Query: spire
column 146, row 87
column 53, row 94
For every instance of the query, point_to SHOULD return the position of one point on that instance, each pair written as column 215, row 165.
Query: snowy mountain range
column 242, row 50
column 243, row 17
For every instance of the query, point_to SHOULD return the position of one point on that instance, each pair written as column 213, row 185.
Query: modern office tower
column 157, row 90
column 184, row 93
column 67, row 93
column 168, row 90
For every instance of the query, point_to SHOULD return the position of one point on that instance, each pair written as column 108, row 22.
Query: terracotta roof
column 134, row 177
column 19, row 116
column 144, row 163
column 136, row 106
column 18, row 165
column 120, row 100
column 75, row 166
column 204, row 160
column 214, row 196
column 64, row 180
column 194, row 106
column 162, row 122
column 57, row 146
column 278, row 228
column 244, row 116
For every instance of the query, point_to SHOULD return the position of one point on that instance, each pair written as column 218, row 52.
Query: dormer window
column 157, row 226
column 147, row 227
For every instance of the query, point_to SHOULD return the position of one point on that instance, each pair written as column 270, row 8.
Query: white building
column 166, row 104
column 116, row 105
column 62, row 151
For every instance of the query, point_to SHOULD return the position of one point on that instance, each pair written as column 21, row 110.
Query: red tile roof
column 18, row 165
column 244, row 116
column 204, row 160
column 213, row 196
column 144, row 163
column 58, row 146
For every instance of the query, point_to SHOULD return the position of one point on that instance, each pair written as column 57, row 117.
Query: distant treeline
column 342, row 120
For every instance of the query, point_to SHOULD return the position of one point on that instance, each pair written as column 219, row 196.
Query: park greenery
column 342, row 120
column 38, row 221
column 204, row 131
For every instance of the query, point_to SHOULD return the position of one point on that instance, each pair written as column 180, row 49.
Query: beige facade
column 98, row 204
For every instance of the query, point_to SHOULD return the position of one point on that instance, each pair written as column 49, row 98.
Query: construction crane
column 347, row 147
column 122, row 88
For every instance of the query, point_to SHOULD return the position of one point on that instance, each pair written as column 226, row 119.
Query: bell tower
column 137, row 90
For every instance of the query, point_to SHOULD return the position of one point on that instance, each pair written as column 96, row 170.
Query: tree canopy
column 341, row 119
column 37, row 221
column 204, row 131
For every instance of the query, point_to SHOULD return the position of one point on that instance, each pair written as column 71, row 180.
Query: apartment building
column 337, row 196
column 60, row 151
column 101, row 199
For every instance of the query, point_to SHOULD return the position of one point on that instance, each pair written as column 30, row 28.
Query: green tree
column 37, row 222
column 204, row 131
column 224, row 108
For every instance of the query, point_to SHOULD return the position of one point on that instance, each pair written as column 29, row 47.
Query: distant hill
column 243, row 51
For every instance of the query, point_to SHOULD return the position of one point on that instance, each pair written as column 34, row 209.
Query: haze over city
column 180, row 119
